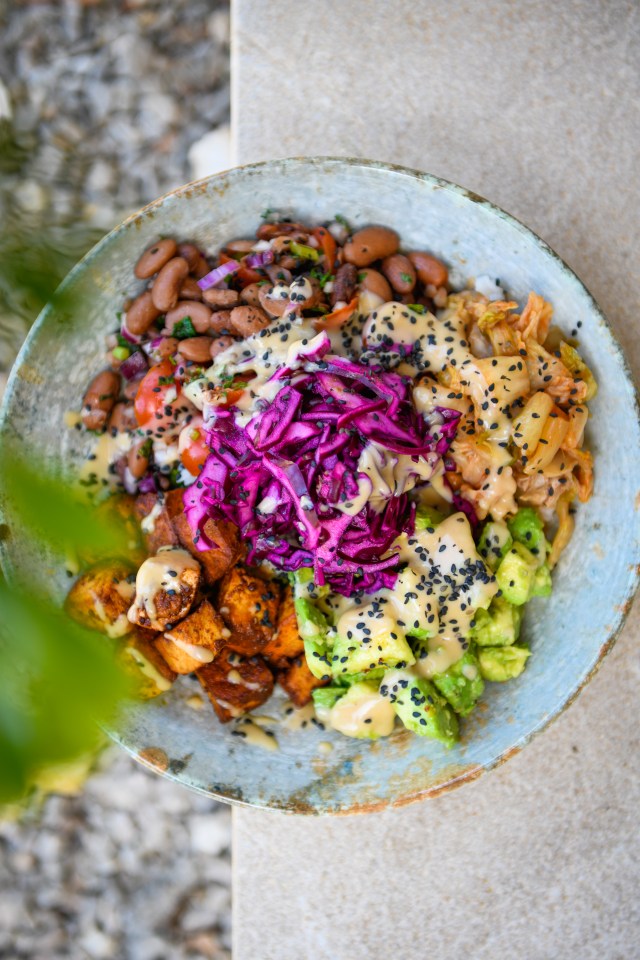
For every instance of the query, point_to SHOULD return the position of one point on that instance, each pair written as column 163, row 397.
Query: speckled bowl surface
column 569, row 633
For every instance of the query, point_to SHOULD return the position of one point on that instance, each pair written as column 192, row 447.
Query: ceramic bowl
column 314, row 771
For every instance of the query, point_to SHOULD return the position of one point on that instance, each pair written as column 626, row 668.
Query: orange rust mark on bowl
column 154, row 757
column 637, row 500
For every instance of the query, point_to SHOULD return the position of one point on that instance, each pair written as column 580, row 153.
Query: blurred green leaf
column 53, row 509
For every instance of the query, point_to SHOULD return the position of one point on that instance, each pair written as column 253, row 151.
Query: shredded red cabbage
column 283, row 477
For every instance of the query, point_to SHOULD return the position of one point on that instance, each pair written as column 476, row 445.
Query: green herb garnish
column 184, row 328
column 417, row 307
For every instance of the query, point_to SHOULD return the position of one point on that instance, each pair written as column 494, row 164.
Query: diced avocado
column 428, row 517
column 348, row 679
column 515, row 574
column 384, row 650
column 494, row 542
column 499, row 626
column 324, row 699
column 362, row 713
column 461, row 684
column 502, row 663
column 527, row 528
column 303, row 585
column 420, row 706
column 541, row 586
column 313, row 628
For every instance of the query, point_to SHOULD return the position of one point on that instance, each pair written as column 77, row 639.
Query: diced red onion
column 215, row 276
column 259, row 259
column 130, row 482
column 126, row 333
column 147, row 484
column 134, row 365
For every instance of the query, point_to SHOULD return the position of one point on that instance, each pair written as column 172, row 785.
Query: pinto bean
column 220, row 321
column 131, row 387
column 344, row 284
column 369, row 244
column 240, row 246
column 154, row 258
column 247, row 320
column 219, row 297
column 198, row 313
column 198, row 265
column 429, row 269
column 267, row 231
column 99, row 399
column 141, row 314
column 400, row 272
column 137, row 460
column 251, row 294
column 122, row 418
column 376, row 283
column 190, row 290
column 273, row 306
column 167, row 285
column 167, row 347
column 218, row 344
column 197, row 349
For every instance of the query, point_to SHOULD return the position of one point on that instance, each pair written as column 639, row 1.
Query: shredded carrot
column 328, row 245
column 331, row 321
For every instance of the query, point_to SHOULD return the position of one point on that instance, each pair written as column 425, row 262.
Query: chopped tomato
column 328, row 245
column 245, row 275
column 151, row 398
column 193, row 447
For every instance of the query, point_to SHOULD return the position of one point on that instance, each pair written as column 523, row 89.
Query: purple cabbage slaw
column 280, row 478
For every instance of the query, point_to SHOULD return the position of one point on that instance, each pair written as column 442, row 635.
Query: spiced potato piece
column 196, row 640
column 155, row 522
column 166, row 586
column 101, row 597
column 140, row 657
column 286, row 642
column 235, row 685
column 298, row 682
column 219, row 559
column 249, row 607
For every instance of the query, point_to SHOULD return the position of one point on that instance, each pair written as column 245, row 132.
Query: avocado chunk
column 515, row 574
column 541, row 586
column 348, row 679
column 303, row 585
column 527, row 528
column 383, row 650
column 461, row 684
column 324, row 699
column 314, row 628
column 499, row 626
column 502, row 663
column 362, row 713
column 428, row 517
column 494, row 542
column 420, row 707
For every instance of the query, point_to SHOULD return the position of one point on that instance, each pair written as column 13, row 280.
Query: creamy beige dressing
column 325, row 747
column 160, row 572
column 299, row 717
column 234, row 676
column 369, row 714
column 106, row 450
column 148, row 524
column 195, row 701
column 387, row 475
column 201, row 654
column 71, row 418
column 147, row 668
column 252, row 733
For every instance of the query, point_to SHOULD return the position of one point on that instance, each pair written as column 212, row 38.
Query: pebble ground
column 99, row 105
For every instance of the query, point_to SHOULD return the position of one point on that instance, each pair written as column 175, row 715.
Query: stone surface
column 536, row 107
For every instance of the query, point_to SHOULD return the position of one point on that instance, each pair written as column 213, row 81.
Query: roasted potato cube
column 287, row 642
column 297, row 681
column 249, row 607
column 166, row 586
column 235, row 685
column 155, row 522
column 140, row 657
column 194, row 641
column 101, row 597
column 215, row 562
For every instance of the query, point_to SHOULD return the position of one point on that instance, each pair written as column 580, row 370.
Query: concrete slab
column 537, row 107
